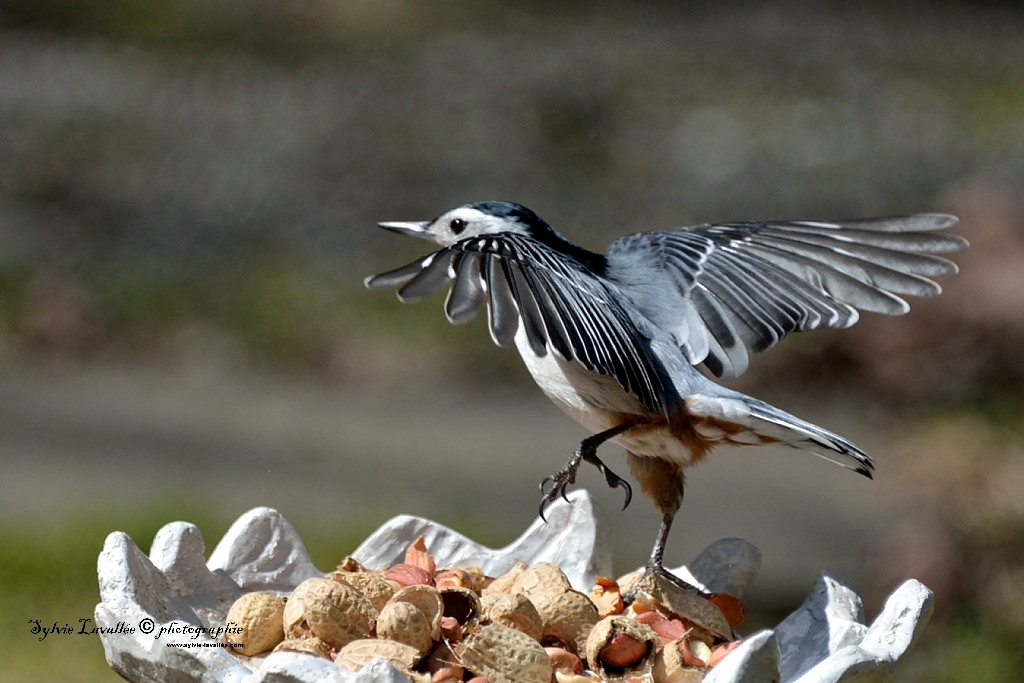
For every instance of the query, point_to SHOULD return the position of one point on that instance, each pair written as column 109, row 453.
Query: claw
column 614, row 481
column 629, row 493
column 555, row 485
column 558, row 487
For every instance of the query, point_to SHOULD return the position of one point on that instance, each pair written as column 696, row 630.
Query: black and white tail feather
column 767, row 424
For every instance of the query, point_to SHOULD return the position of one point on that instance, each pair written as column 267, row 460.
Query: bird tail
column 762, row 423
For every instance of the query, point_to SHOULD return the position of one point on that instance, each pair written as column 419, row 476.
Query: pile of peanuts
column 456, row 624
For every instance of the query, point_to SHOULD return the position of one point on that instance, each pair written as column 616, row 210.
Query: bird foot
column 657, row 579
column 555, row 485
column 658, row 573
column 675, row 596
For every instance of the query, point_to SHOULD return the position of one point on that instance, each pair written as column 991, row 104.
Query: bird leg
column 656, row 561
column 656, row 565
column 663, row 481
column 555, row 485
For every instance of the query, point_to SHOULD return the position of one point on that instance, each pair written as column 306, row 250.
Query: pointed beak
column 408, row 228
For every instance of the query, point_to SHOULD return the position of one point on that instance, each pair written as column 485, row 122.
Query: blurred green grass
column 966, row 649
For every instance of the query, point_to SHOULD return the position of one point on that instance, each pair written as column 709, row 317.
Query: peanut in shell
column 377, row 589
column 502, row 584
column 404, row 623
column 541, row 577
column 504, row 655
column 259, row 617
column 566, row 614
column 359, row 653
column 334, row 611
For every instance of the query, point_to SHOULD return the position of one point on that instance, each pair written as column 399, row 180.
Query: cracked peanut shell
column 426, row 599
column 619, row 647
column 670, row 666
column 566, row 617
column 462, row 604
column 686, row 602
column 516, row 611
column 566, row 614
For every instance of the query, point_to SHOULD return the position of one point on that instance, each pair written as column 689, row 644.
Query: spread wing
column 560, row 305
column 725, row 291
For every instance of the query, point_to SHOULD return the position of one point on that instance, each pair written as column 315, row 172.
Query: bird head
column 474, row 220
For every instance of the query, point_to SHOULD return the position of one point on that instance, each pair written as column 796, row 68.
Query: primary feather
column 733, row 289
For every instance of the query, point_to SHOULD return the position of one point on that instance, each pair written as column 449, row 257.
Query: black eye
column 457, row 225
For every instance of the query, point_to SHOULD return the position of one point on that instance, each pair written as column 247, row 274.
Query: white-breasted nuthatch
column 613, row 339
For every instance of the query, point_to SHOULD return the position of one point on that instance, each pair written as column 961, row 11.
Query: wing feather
column 502, row 315
column 468, row 292
column 529, row 312
column 883, row 270
column 583, row 321
column 559, row 304
column 399, row 276
column 435, row 274
column 752, row 284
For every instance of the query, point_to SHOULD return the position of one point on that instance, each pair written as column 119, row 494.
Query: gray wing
column 725, row 291
column 560, row 305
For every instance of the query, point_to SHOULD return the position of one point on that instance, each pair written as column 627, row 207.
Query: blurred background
column 188, row 195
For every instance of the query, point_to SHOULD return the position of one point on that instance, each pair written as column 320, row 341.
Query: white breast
column 588, row 397
column 598, row 403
